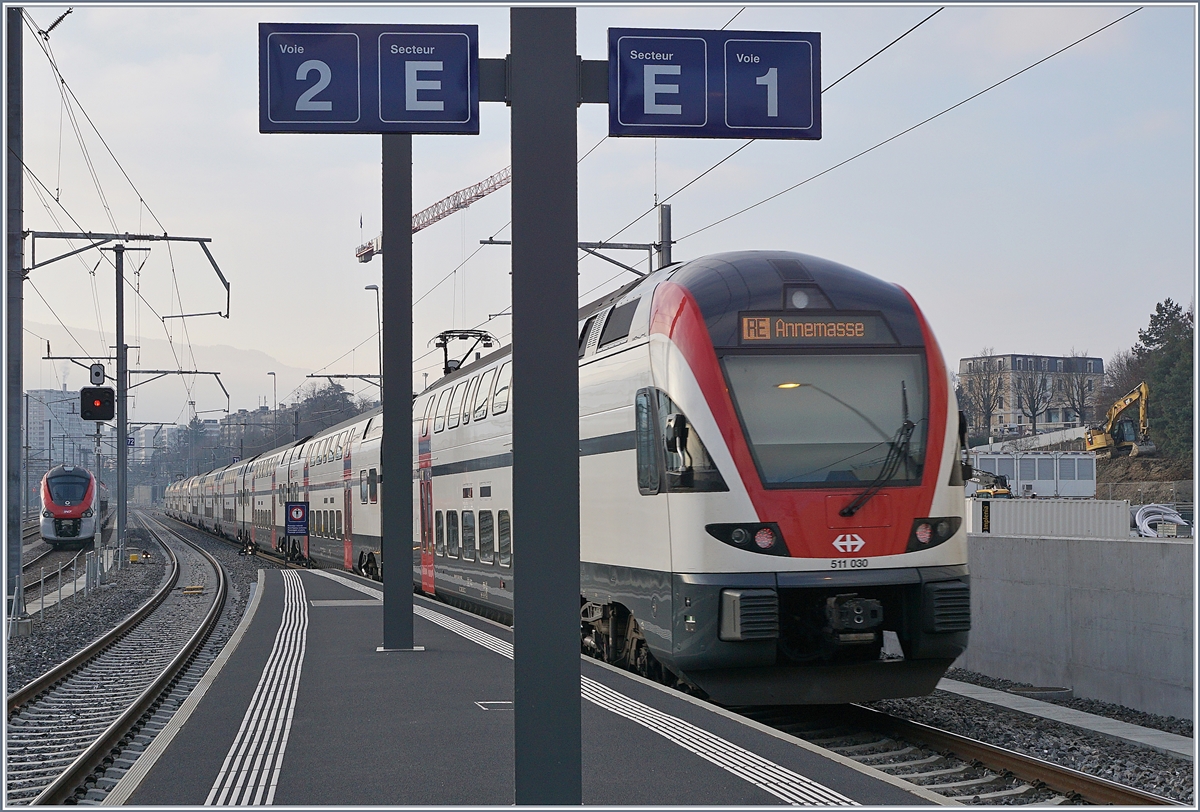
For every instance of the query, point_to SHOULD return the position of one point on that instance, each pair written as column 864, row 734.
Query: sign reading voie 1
column 714, row 84
column 368, row 78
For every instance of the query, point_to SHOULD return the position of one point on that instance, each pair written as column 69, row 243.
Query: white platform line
column 785, row 784
column 250, row 771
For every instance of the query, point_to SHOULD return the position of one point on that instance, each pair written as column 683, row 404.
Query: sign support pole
column 545, row 227
column 14, row 309
column 122, row 404
column 396, row 546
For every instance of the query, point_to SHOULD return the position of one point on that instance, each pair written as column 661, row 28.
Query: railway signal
column 97, row 403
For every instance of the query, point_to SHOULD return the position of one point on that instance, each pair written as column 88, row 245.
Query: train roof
column 68, row 470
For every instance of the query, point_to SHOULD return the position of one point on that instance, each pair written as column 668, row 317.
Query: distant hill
column 243, row 372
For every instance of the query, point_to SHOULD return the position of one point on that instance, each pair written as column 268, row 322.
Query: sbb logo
column 849, row 542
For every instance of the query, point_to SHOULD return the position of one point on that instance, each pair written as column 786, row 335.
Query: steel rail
column 62, row 568
column 65, row 786
column 1061, row 779
column 58, row 673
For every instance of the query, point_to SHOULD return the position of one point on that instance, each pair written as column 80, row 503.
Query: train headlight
column 762, row 537
column 928, row 533
column 87, row 514
column 47, row 514
column 765, row 538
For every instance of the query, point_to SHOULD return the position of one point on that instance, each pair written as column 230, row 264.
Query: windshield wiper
column 898, row 451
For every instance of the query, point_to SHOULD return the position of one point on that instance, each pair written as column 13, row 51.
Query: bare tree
column 1079, row 388
column 983, row 387
column 1035, row 391
column 1125, row 370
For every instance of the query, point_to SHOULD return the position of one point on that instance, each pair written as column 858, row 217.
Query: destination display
column 791, row 328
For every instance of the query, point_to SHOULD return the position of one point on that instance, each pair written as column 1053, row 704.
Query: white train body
column 809, row 509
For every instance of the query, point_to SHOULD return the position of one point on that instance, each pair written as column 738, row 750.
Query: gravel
column 1169, row 724
column 1069, row 746
column 68, row 629
column 71, row 625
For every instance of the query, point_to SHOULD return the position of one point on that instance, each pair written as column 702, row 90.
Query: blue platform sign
column 714, row 84
column 295, row 519
column 331, row 78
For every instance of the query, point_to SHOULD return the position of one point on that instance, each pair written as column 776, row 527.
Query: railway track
column 954, row 766
column 69, row 723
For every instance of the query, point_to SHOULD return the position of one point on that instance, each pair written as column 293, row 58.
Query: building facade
column 1050, row 391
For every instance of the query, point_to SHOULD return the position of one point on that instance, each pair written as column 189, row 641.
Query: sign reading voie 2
column 368, row 78
column 714, row 84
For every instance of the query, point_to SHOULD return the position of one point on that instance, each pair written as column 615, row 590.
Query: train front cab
column 70, row 507
column 773, row 595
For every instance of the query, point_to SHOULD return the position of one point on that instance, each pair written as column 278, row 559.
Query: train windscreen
column 68, row 488
column 831, row 419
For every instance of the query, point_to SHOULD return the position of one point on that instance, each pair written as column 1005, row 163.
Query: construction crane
column 1120, row 436
column 442, row 209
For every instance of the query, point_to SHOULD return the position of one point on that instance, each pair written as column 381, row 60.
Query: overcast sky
column 1048, row 214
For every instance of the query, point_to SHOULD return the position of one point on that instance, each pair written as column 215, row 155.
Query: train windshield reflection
column 67, row 489
column 829, row 419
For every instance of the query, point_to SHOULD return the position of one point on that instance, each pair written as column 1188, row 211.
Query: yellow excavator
column 1120, row 436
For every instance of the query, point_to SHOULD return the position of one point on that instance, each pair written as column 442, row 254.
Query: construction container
column 1049, row 518
column 1064, row 474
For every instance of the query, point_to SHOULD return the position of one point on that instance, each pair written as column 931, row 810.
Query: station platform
column 305, row 711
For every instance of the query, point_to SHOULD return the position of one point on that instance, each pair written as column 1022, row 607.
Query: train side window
column 649, row 466
column 469, row 400
column 504, row 538
column 373, row 485
column 425, row 427
column 619, row 320
column 439, row 419
column 338, row 525
column 452, row 533
column 688, row 468
column 483, row 393
column 487, row 552
column 456, row 400
column 503, row 384
column 439, row 533
column 583, row 334
column 468, row 535
column 362, row 486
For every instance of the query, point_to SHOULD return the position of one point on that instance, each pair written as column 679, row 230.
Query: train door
column 427, row 576
column 425, row 500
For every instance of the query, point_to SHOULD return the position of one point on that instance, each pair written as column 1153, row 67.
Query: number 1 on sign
column 771, row 80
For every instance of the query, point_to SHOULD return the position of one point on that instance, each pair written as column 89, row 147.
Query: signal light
column 97, row 403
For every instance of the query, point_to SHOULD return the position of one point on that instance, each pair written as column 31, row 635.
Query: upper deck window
column 620, row 318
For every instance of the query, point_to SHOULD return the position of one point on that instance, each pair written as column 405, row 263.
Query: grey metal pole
column 664, row 235
column 122, row 409
column 545, row 234
column 14, row 312
column 396, row 546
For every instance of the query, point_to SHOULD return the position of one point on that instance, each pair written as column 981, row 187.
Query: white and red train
column 74, row 506
column 771, row 490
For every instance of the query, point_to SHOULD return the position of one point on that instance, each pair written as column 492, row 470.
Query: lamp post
column 378, row 337
column 274, row 410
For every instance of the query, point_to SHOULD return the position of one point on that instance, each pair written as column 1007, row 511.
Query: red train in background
column 74, row 506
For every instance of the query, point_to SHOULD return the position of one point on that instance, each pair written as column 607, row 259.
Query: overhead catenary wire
column 753, row 140
column 907, row 130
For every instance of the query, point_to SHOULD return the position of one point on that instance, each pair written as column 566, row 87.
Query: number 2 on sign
column 771, row 80
column 305, row 102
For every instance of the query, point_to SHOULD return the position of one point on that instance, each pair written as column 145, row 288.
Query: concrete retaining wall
column 1110, row 618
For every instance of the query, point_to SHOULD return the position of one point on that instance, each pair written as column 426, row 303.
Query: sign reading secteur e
column 330, row 78
column 714, row 84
